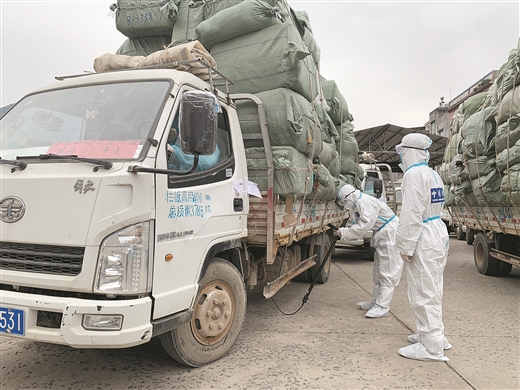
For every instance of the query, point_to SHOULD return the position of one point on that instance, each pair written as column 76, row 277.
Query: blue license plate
column 12, row 321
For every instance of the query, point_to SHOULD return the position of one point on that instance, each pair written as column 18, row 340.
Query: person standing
column 369, row 213
column 423, row 243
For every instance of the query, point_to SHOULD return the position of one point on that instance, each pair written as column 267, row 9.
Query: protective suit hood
column 413, row 149
column 348, row 195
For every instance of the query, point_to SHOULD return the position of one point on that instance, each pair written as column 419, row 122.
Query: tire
column 485, row 264
column 371, row 252
column 470, row 236
column 460, row 233
column 504, row 268
column 219, row 312
column 323, row 243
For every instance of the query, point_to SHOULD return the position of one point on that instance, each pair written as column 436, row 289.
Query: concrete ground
column 328, row 344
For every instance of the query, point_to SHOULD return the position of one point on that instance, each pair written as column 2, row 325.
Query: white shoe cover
column 418, row 351
column 414, row 338
column 377, row 312
column 365, row 305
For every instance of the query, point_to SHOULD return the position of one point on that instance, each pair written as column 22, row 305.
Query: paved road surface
column 329, row 344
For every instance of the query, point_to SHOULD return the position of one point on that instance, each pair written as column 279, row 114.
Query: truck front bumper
column 135, row 328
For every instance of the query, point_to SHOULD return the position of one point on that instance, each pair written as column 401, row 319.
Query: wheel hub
column 214, row 313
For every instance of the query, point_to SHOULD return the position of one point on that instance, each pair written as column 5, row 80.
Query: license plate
column 12, row 321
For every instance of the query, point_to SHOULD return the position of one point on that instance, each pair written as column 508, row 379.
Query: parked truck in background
column 481, row 172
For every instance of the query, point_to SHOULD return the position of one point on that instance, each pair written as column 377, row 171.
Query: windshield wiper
column 105, row 164
column 18, row 164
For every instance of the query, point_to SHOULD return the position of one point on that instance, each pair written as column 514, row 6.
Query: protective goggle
column 399, row 148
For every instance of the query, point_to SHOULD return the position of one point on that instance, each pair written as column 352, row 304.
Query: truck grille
column 45, row 259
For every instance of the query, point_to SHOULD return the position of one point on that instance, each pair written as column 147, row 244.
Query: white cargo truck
column 106, row 243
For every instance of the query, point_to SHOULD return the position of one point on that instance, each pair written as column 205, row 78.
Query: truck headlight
column 124, row 261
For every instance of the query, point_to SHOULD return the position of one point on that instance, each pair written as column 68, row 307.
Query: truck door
column 195, row 211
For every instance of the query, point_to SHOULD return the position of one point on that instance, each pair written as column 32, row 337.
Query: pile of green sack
column 265, row 48
column 481, row 165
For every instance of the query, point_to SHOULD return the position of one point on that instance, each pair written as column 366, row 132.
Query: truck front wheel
column 461, row 235
column 219, row 312
column 485, row 263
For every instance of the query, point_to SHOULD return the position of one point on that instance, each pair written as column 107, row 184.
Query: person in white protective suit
column 368, row 213
column 423, row 243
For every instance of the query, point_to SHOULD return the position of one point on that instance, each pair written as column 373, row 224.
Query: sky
column 392, row 60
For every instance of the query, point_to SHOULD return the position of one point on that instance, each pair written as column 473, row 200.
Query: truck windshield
column 109, row 121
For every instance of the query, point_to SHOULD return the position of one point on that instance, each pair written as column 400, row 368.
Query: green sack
column 338, row 105
column 303, row 23
column 292, row 171
column 330, row 132
column 478, row 133
column 143, row 46
column 140, row 18
column 508, row 157
column 267, row 59
column 348, row 149
column 241, row 19
column 486, row 189
column 508, row 107
column 324, row 186
column 191, row 13
column 510, row 186
column 329, row 157
column 480, row 166
column 508, row 133
column 290, row 120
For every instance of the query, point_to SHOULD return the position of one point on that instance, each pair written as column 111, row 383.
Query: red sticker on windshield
column 97, row 148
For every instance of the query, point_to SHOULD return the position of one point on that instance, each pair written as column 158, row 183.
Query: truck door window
column 211, row 168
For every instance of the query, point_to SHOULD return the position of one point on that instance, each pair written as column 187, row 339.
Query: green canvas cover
column 508, row 133
column 268, row 59
column 290, row 120
column 478, row 132
column 292, row 171
column 324, row 187
column 213, row 7
column 142, row 18
column 338, row 105
column 241, row 19
column 191, row 13
column 143, row 46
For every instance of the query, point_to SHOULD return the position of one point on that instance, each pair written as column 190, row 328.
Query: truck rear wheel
column 470, row 236
column 461, row 235
column 485, row 263
column 323, row 243
column 219, row 312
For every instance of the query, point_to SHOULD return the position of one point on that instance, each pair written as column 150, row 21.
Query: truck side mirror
column 378, row 188
column 198, row 122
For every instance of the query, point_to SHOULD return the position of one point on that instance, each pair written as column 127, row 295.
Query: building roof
column 381, row 141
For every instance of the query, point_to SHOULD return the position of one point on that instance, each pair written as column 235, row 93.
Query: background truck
column 481, row 169
column 146, row 199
